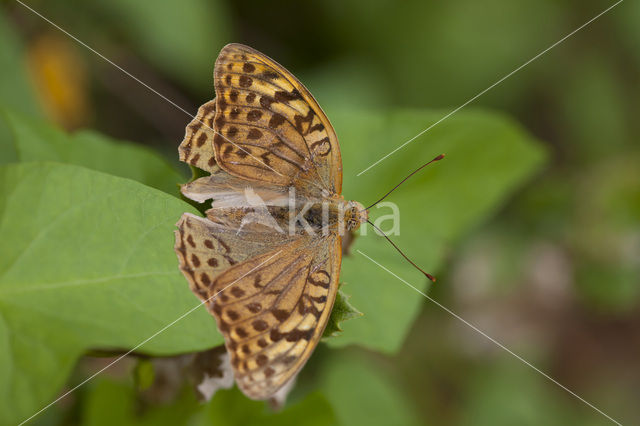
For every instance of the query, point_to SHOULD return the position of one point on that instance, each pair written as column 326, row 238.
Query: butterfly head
column 355, row 214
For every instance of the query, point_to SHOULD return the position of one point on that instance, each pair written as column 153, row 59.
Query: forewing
column 272, row 310
column 271, row 129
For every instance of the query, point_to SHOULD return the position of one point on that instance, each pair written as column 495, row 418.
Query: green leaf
column 342, row 311
column 86, row 261
column 39, row 141
column 488, row 156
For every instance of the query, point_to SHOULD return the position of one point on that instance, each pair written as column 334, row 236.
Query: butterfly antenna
column 431, row 277
column 438, row 158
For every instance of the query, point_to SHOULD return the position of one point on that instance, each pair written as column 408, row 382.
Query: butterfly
column 266, row 258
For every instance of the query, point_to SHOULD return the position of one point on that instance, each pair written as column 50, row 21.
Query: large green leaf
column 488, row 156
column 38, row 141
column 86, row 261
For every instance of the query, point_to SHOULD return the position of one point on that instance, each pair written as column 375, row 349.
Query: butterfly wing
column 197, row 146
column 269, row 128
column 205, row 249
column 273, row 308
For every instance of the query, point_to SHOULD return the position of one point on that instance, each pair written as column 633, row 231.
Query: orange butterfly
column 266, row 259
column 267, row 256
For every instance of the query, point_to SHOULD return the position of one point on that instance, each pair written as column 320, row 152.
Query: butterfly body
column 266, row 258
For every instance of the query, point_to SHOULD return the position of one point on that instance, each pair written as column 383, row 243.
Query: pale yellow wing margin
column 274, row 310
column 197, row 146
column 279, row 132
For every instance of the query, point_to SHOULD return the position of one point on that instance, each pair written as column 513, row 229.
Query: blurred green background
column 532, row 224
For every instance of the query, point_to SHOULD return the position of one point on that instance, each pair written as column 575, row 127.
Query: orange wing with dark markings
column 272, row 310
column 271, row 296
column 269, row 127
column 197, row 146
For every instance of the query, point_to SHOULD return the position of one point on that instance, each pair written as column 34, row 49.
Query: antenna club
column 431, row 277
column 438, row 158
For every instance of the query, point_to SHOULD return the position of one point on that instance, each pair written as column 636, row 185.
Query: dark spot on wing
column 276, row 120
column 237, row 291
column 245, row 81
column 254, row 307
column 262, row 359
column 254, row 134
column 280, row 314
column 260, row 325
column 201, row 139
column 254, row 115
column 266, row 101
